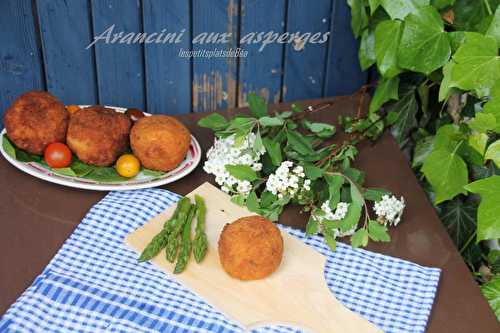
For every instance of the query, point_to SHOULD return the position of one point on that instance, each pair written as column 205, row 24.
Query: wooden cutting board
column 296, row 294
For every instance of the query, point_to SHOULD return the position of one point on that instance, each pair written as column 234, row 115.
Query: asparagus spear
column 173, row 242
column 185, row 246
column 200, row 242
column 159, row 241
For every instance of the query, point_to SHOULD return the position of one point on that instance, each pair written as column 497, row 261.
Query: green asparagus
column 185, row 246
column 173, row 242
column 200, row 242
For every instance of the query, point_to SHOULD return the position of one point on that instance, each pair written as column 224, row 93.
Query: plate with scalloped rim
column 142, row 180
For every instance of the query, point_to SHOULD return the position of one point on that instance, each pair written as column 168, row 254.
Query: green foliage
column 491, row 290
column 439, row 69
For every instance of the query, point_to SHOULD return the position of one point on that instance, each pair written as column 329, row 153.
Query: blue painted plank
column 214, row 79
column 168, row 76
column 261, row 70
column 120, row 66
column 305, row 65
column 343, row 75
column 69, row 67
column 20, row 59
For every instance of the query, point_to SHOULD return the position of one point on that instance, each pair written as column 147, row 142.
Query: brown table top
column 36, row 217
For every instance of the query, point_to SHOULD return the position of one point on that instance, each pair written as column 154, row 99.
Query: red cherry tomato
column 57, row 155
column 134, row 114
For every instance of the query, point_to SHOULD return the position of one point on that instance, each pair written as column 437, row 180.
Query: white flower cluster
column 339, row 213
column 288, row 180
column 225, row 152
column 389, row 209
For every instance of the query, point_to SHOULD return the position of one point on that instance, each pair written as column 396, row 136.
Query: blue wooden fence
column 43, row 46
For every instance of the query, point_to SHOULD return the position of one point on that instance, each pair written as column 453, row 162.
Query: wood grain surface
column 296, row 293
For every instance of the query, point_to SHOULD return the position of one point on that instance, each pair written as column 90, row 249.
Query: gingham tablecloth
column 94, row 283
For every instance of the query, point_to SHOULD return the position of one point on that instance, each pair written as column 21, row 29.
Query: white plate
column 35, row 169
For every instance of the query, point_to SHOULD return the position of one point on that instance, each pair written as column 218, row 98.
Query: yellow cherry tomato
column 72, row 108
column 128, row 165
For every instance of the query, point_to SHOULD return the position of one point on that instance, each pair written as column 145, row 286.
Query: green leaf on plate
column 424, row 45
column 242, row 172
column 104, row 174
column 214, row 121
column 257, row 105
column 488, row 214
column 8, row 147
column 64, row 171
column 493, row 153
column 152, row 173
column 359, row 238
column 446, row 172
column 386, row 90
column 378, row 232
column 491, row 291
column 387, row 36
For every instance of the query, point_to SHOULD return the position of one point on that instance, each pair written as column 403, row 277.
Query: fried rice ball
column 160, row 142
column 35, row 120
column 98, row 135
column 250, row 248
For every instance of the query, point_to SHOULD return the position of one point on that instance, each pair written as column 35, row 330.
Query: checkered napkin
column 94, row 283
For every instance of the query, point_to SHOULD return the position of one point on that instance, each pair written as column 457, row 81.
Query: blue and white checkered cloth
column 94, row 283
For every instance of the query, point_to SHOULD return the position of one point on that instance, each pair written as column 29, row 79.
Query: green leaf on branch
column 378, row 232
column 312, row 172
column 494, row 27
column 407, row 108
column 214, row 121
column 312, row 227
column 440, row 4
column 387, row 89
column 253, row 202
column 445, row 87
column 271, row 121
column 242, row 172
column 359, row 17
column 493, row 153
column 477, row 65
column 334, row 182
column 257, row 105
column 422, row 149
column 375, row 194
column 447, row 173
column 366, row 53
column 322, row 130
column 478, row 141
column 273, row 148
column 491, row 291
column 483, row 122
column 387, row 36
column 488, row 214
column 359, row 238
column 298, row 143
column 330, row 240
column 398, row 9
column 238, row 199
column 424, row 45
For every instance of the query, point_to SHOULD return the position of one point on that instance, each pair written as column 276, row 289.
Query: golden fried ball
column 160, row 142
column 250, row 248
column 98, row 135
column 35, row 120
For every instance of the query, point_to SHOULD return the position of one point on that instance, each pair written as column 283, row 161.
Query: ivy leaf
column 456, row 39
column 446, row 172
column 491, row 291
column 445, row 87
column 359, row 238
column 257, row 105
column 494, row 28
column 298, row 143
column 483, row 122
column 493, row 108
column 424, row 45
column 478, row 141
column 407, row 109
column 242, row 172
column 378, row 232
column 459, row 218
column 440, row 4
column 366, row 53
column 214, row 121
column 375, row 194
column 422, row 149
column 477, row 64
column 359, row 17
column 374, row 4
column 493, row 153
column 488, row 214
column 387, row 36
column 273, row 148
column 387, row 89
column 398, row 9
column 271, row 121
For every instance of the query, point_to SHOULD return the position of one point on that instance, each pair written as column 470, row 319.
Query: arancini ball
column 98, row 135
column 160, row 142
column 250, row 248
column 35, row 120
